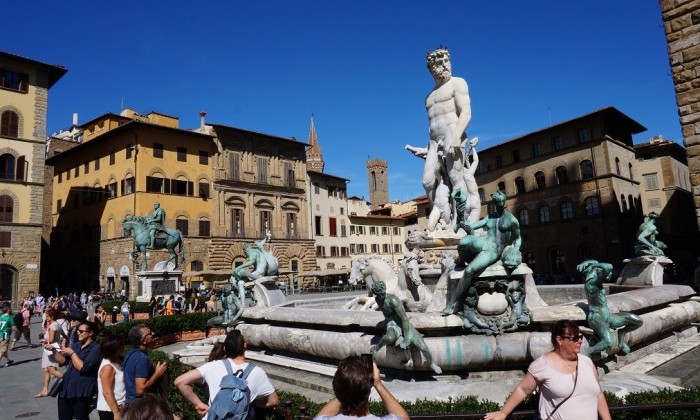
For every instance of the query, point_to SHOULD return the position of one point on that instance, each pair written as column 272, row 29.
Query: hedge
column 453, row 406
column 163, row 325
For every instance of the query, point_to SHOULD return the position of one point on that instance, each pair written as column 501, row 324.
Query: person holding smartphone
column 352, row 383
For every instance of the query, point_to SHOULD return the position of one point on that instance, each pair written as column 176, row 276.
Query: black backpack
column 18, row 319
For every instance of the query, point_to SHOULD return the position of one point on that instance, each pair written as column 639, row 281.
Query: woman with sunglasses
column 80, row 378
column 568, row 381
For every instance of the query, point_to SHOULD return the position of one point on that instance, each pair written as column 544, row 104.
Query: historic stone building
column 24, row 88
column 665, row 189
column 328, row 217
column 259, row 191
column 124, row 164
column 378, row 180
column 682, row 25
column 573, row 186
column 220, row 186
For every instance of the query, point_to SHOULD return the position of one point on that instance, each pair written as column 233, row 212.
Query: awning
column 322, row 273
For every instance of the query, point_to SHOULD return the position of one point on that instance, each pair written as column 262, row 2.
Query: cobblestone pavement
column 22, row 380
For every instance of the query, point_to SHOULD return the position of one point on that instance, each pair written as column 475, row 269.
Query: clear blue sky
column 359, row 66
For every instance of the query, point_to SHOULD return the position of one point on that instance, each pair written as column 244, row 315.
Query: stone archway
column 9, row 278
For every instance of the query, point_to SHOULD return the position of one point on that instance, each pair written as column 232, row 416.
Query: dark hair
column 111, row 345
column 135, row 336
column 234, row 344
column 218, row 352
column 91, row 326
column 563, row 328
column 150, row 407
column 352, row 384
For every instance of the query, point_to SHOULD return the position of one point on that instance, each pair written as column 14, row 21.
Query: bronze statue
column 155, row 222
column 599, row 318
column 646, row 243
column 143, row 230
column 399, row 330
column 501, row 242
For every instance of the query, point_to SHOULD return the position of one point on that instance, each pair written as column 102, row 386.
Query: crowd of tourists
column 87, row 374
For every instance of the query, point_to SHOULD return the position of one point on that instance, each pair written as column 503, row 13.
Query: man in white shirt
column 262, row 393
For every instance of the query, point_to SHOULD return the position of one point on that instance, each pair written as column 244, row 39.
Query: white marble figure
column 443, row 213
column 449, row 114
column 374, row 268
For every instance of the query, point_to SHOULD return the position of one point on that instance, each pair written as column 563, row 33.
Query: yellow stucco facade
column 24, row 85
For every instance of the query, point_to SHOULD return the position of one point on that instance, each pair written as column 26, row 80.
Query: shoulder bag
column 537, row 411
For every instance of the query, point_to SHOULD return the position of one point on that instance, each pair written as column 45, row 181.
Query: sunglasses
column 574, row 338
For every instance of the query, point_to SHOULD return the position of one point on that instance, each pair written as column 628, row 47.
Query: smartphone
column 368, row 358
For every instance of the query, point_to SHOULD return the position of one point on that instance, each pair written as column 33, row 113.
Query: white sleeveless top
column 119, row 391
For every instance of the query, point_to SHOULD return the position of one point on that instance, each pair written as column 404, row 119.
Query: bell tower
column 378, row 182
column 314, row 155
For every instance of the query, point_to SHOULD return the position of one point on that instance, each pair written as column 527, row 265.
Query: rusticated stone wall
column 682, row 24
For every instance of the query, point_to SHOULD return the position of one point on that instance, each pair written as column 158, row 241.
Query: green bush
column 459, row 405
column 659, row 397
column 164, row 325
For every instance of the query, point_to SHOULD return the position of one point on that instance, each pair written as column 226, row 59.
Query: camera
column 369, row 359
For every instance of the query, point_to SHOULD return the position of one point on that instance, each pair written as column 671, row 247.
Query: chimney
column 202, row 114
column 75, row 118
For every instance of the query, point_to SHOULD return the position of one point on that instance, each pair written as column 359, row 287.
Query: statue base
column 157, row 283
column 643, row 271
column 267, row 293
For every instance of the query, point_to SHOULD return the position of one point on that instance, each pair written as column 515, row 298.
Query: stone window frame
column 9, row 123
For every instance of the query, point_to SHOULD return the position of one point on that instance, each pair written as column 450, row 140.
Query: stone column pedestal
column 643, row 271
column 157, row 283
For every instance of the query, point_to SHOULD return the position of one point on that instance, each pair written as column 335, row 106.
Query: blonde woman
column 52, row 336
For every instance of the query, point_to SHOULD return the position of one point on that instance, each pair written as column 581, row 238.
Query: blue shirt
column 83, row 383
column 136, row 365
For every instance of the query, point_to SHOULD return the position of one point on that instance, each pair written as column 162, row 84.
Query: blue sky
column 358, row 66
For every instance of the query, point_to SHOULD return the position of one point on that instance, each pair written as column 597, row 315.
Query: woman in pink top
column 562, row 395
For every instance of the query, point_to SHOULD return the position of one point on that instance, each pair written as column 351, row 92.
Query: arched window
column 482, row 195
column 543, row 214
column 7, row 166
column 592, row 206
column 586, row 169
column 617, row 165
column 183, row 225
column 374, row 181
column 623, row 202
column 523, row 217
column 557, row 261
column 9, row 124
column 502, row 186
column 519, row 185
column 6, row 208
column 540, row 180
column 566, row 210
column 560, row 175
column 629, row 165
